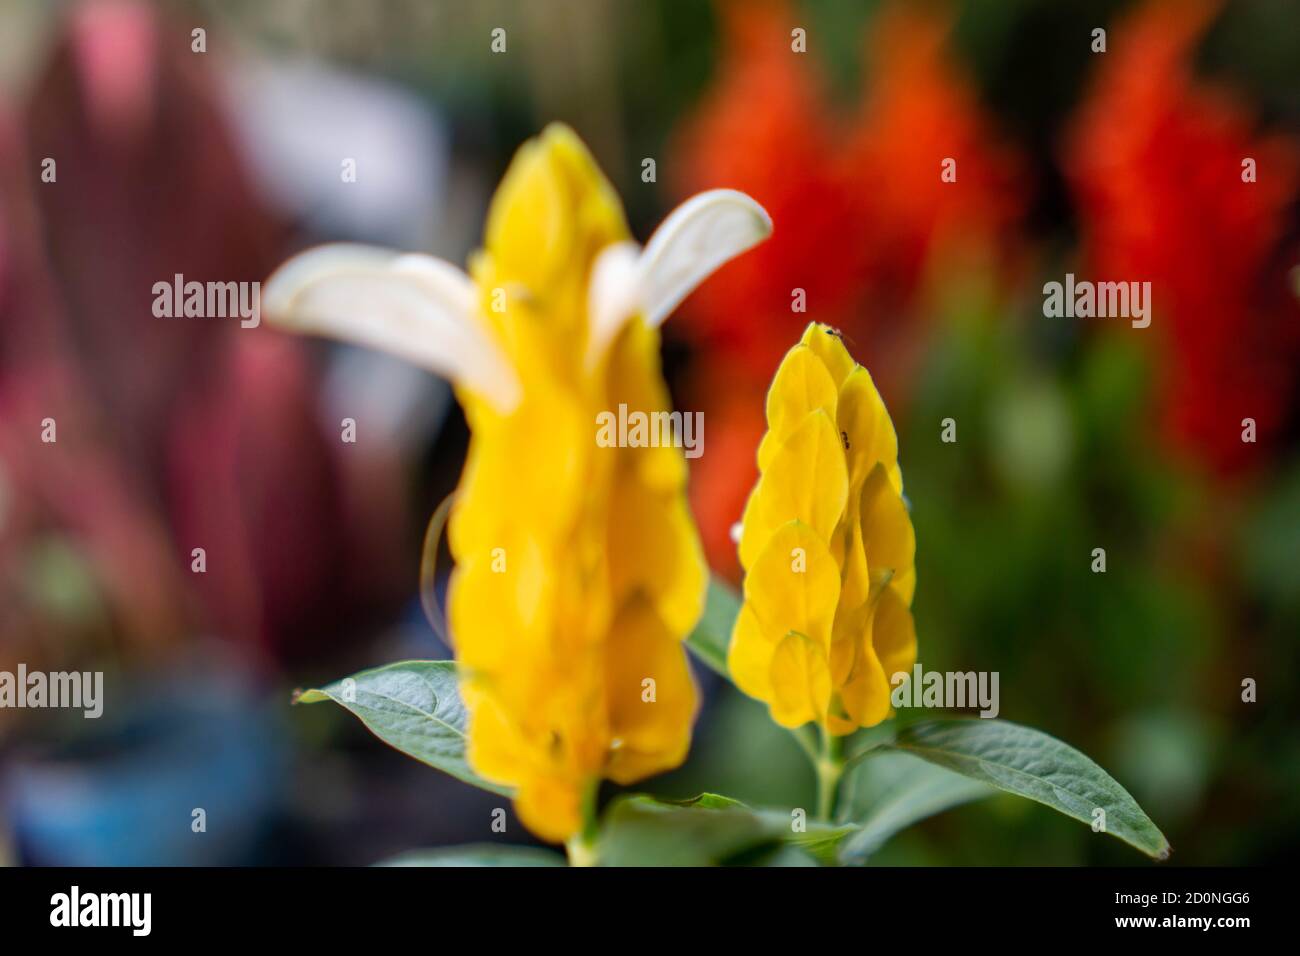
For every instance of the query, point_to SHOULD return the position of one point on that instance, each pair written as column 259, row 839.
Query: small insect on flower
column 827, row 546
column 603, row 574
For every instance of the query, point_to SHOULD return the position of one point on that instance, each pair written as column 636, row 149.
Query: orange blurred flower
column 920, row 111
column 766, row 128
column 1155, row 159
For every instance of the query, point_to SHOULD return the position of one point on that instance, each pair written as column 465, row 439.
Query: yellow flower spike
column 578, row 570
column 819, row 638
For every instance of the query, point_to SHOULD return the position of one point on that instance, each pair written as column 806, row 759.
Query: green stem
column 582, row 848
column 581, row 851
column 830, row 767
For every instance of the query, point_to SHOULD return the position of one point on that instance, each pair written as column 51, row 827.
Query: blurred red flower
column 1155, row 159
column 919, row 111
column 765, row 127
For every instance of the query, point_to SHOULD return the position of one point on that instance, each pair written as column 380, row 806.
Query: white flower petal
column 613, row 295
column 698, row 236
column 414, row 306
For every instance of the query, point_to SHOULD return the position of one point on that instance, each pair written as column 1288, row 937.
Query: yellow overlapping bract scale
column 867, row 429
column 650, row 695
column 801, row 682
column 578, row 569
column 634, row 379
column 894, row 639
column 549, row 805
column 549, row 440
column 830, row 487
column 653, row 550
column 802, row 385
column 806, row 480
column 795, row 585
column 749, row 656
column 887, row 535
column 826, row 343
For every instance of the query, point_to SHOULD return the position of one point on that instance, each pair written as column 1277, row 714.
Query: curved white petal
column 698, row 236
column 613, row 295
column 414, row 306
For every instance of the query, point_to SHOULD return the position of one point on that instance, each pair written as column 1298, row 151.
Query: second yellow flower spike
column 827, row 547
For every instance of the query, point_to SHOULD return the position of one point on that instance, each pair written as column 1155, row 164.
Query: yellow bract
column 578, row 568
column 827, row 546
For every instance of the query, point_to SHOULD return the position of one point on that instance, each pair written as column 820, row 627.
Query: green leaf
column 709, row 830
column 712, row 635
column 414, row 706
column 643, row 831
column 704, row 801
column 1032, row 764
column 784, row 855
column 821, row 840
column 888, row 792
column 477, row 854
